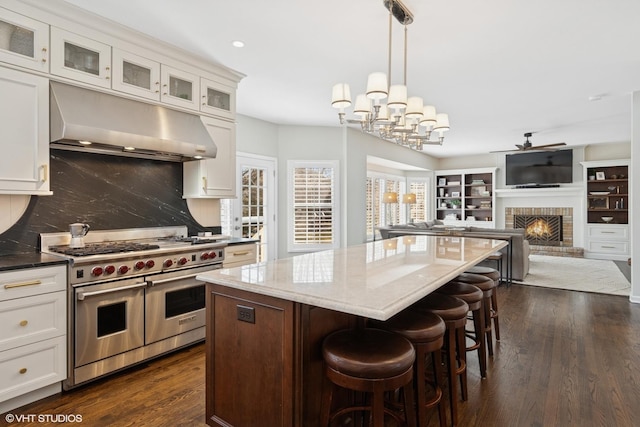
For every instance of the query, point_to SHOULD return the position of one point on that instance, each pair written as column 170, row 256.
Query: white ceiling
column 499, row 68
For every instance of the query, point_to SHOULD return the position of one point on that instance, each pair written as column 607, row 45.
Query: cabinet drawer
column 609, row 247
column 31, row 319
column 240, row 255
column 610, row 232
column 30, row 367
column 32, row 281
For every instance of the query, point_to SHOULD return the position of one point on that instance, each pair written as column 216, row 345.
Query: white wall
column 634, row 180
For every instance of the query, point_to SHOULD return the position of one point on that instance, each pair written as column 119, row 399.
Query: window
column 313, row 205
column 419, row 187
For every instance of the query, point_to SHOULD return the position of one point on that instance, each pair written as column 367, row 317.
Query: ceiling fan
column 526, row 146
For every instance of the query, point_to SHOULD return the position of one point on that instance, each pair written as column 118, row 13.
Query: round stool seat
column 368, row 353
column 416, row 327
column 485, row 283
column 489, row 272
column 447, row 307
column 467, row 292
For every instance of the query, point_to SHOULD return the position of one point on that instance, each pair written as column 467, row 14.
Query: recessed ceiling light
column 237, row 43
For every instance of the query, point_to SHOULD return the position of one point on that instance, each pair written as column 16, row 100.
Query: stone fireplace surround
column 565, row 248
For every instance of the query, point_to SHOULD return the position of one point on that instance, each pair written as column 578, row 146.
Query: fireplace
column 545, row 230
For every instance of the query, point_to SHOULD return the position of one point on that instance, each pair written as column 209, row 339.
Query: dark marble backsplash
column 107, row 192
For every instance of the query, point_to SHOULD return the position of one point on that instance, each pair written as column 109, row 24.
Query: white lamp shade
column 390, row 197
column 428, row 116
column 442, row 122
column 397, row 97
column 414, row 108
column 363, row 105
column 340, row 96
column 409, row 198
column 377, row 86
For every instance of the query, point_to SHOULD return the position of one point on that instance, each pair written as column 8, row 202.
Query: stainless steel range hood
column 114, row 125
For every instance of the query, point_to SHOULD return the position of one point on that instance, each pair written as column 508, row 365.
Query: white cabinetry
column 217, row 99
column 237, row 255
column 179, row 88
column 466, row 197
column 33, row 343
column 24, row 41
column 215, row 178
column 136, row 75
column 24, row 133
column 80, row 58
column 607, row 209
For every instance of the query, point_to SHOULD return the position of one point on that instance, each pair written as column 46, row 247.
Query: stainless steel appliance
column 133, row 295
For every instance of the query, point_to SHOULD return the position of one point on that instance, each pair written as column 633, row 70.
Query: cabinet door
column 80, row 58
column 136, row 75
column 24, row 41
column 214, row 178
column 24, row 133
column 217, row 99
column 179, row 88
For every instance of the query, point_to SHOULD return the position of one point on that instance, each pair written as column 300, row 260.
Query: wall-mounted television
column 539, row 168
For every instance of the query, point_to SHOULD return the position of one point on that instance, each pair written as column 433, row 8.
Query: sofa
column 520, row 261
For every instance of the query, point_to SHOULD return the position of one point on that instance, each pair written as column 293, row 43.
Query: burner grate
column 103, row 248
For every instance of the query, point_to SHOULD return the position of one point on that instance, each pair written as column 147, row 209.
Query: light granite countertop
column 375, row 280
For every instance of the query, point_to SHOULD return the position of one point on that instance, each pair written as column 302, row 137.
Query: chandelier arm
column 405, row 54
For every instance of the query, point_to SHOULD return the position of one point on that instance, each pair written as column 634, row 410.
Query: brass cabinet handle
column 21, row 284
column 23, row 370
column 24, row 323
column 240, row 253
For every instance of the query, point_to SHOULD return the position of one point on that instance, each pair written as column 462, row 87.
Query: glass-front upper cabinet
column 179, row 87
column 217, row 99
column 136, row 75
column 80, row 58
column 24, row 41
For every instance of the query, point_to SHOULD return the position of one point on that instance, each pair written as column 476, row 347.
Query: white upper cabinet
column 217, row 99
column 136, row 75
column 80, row 58
column 214, row 178
column 24, row 133
column 179, row 88
column 24, row 41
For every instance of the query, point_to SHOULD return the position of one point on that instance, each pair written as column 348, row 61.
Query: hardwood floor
column 565, row 359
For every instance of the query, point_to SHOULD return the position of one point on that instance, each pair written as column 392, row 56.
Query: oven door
column 109, row 319
column 175, row 303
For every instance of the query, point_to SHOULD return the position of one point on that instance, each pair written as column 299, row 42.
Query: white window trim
column 335, row 165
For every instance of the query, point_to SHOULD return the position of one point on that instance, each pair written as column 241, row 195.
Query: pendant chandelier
column 404, row 121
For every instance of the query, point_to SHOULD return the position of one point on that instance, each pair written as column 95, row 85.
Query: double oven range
column 133, row 295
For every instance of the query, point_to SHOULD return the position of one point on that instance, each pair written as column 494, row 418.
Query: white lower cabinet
column 237, row 255
column 607, row 241
column 33, row 338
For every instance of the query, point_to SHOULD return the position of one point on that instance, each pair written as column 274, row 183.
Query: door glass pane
column 218, row 99
column 136, row 75
column 180, row 88
column 80, row 58
column 184, row 301
column 112, row 318
column 16, row 39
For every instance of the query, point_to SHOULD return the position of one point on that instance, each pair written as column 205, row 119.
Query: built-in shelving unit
column 466, row 197
column 607, row 205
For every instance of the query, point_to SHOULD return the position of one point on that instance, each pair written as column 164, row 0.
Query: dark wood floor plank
column 565, row 359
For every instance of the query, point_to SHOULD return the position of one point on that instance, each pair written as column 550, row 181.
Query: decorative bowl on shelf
column 607, row 218
column 471, row 206
column 599, row 193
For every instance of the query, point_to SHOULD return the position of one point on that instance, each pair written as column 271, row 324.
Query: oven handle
column 173, row 279
column 82, row 295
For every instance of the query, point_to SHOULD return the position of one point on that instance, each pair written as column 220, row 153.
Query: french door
column 252, row 213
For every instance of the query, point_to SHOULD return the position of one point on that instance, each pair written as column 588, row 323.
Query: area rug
column 576, row 274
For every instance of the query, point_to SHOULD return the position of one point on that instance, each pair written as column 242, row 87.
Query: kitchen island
column 266, row 321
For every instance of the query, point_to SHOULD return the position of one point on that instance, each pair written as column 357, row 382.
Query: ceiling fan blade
column 557, row 144
column 503, row 151
column 520, row 147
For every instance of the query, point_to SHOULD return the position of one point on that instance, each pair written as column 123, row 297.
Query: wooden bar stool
column 473, row 296
column 426, row 333
column 494, row 275
column 454, row 313
column 372, row 361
